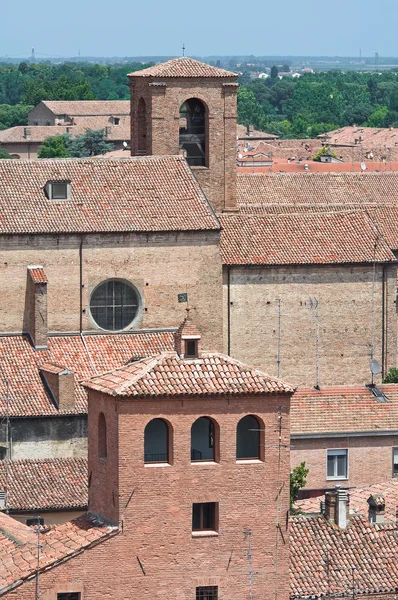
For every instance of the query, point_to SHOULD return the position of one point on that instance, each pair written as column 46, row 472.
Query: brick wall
column 163, row 102
column 369, row 459
column 344, row 294
column 159, row 265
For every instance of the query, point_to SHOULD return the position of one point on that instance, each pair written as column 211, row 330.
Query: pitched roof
column 38, row 133
column 322, row 558
column 371, row 137
column 254, row 134
column 359, row 500
column 37, row 274
column 157, row 193
column 343, row 409
column 20, row 365
column 306, row 238
column 183, row 67
column 18, row 545
column 317, row 188
column 88, row 107
column 167, row 374
column 45, row 483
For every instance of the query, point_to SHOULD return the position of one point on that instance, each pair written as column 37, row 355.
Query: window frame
column 206, row 592
column 102, row 438
column 214, row 442
column 338, row 452
column 261, row 441
column 138, row 314
column 169, row 444
column 215, row 519
column 394, row 449
column 49, row 189
column 65, row 595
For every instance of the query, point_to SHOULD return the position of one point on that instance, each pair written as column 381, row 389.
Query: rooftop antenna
column 183, row 50
column 278, row 314
column 32, row 56
column 313, row 306
column 7, row 457
column 376, row 61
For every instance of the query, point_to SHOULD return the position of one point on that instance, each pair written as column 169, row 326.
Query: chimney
column 61, row 383
column 337, row 507
column 377, row 508
column 250, row 130
column 108, row 131
column 69, row 129
column 36, row 307
column 187, row 339
column 27, row 133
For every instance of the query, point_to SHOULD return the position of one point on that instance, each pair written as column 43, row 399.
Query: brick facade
column 155, row 114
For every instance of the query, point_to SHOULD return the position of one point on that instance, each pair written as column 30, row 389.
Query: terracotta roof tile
column 169, row 375
column 371, row 137
column 38, row 133
column 21, row 364
column 88, row 107
column 343, row 409
column 183, row 67
column 322, row 558
column 305, row 238
column 18, row 545
column 37, row 274
column 157, row 193
column 45, row 484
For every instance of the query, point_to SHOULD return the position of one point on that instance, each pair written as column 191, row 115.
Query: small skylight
column 58, row 190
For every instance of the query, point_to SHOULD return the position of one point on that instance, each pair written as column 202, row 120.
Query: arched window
column 157, row 442
column 193, row 132
column 249, row 438
column 204, row 440
column 114, row 305
column 102, row 441
column 141, row 128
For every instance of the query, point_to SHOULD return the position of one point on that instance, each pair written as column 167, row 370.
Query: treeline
column 25, row 85
column 314, row 103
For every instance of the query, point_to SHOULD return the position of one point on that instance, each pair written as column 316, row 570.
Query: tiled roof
column 359, row 500
column 183, row 67
column 317, row 188
column 157, row 193
column 18, row 545
column 343, row 409
column 254, row 135
column 45, row 484
column 311, row 166
column 306, row 238
column 38, row 133
column 37, row 274
column 371, row 137
column 88, row 107
column 20, row 365
column 326, row 560
column 188, row 329
column 169, row 375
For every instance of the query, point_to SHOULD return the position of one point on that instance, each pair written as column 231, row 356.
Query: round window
column 114, row 305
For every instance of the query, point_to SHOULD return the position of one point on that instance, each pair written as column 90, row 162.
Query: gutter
column 340, row 434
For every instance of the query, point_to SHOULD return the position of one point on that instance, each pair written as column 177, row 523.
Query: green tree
column 274, row 72
column 4, row 153
column 324, row 151
column 378, row 117
column 10, row 116
column 392, row 376
column 91, row 143
column 249, row 111
column 298, row 479
column 54, row 147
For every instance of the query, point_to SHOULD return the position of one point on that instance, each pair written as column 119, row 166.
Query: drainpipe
column 81, row 283
column 383, row 322
column 229, row 310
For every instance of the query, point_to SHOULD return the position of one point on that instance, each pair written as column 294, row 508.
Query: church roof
column 212, row 374
column 302, row 238
column 21, row 364
column 183, row 67
column 88, row 107
column 154, row 193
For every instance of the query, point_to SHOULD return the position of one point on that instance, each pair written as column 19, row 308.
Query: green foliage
column 274, row 72
column 90, row 143
column 4, row 153
column 54, row 147
column 298, row 479
column 10, row 116
column 392, row 376
column 249, row 111
column 324, row 151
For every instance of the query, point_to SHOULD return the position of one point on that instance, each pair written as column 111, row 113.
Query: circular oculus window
column 114, row 305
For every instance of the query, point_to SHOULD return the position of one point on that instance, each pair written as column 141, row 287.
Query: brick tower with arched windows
column 187, row 107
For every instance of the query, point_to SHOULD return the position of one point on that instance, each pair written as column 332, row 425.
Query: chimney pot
column 377, row 508
column 27, row 132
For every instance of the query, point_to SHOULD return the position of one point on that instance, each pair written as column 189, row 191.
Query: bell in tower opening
column 193, row 132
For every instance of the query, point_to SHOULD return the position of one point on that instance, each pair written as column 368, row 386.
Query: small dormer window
column 191, row 348
column 58, row 190
column 116, row 120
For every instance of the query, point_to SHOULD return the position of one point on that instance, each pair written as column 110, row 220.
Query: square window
column 205, row 516
column 116, row 121
column 395, row 462
column 337, row 464
column 69, row 596
column 208, row 592
column 59, row 191
column 191, row 348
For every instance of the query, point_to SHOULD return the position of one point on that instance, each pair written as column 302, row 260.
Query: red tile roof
column 157, row 193
column 38, row 133
column 306, row 238
column 317, row 188
column 18, row 546
column 45, row 484
column 95, row 108
column 169, row 375
column 20, row 365
column 343, row 409
column 359, row 500
column 372, row 137
column 310, row 166
column 37, row 274
column 183, row 67
column 326, row 560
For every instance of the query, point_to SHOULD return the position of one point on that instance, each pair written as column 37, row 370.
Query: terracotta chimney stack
column 37, row 325
column 188, row 339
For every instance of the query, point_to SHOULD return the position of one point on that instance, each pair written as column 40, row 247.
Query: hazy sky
column 159, row 27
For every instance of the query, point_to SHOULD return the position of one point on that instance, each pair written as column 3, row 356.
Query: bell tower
column 187, row 107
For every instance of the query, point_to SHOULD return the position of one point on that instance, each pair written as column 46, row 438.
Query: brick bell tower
column 187, row 107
